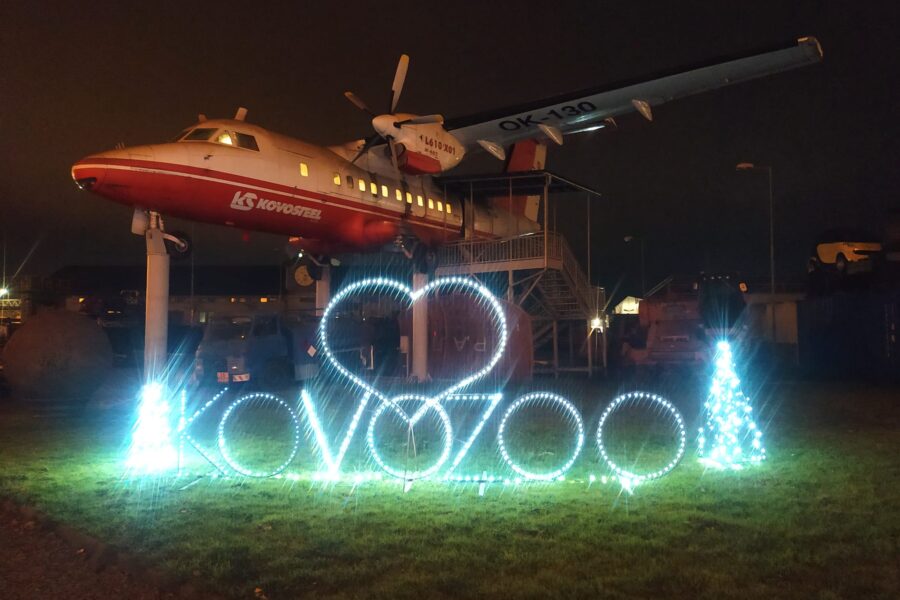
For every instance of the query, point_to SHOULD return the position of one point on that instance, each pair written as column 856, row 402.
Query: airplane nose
column 89, row 173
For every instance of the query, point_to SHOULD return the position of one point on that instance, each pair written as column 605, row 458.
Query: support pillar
column 323, row 291
column 156, row 316
column 420, row 331
column 555, row 348
column 591, row 340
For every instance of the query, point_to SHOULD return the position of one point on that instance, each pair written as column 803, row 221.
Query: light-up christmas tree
column 730, row 438
column 152, row 450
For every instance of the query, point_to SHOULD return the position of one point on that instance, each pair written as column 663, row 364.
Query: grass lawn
column 819, row 519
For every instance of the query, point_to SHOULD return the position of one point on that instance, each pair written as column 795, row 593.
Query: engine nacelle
column 427, row 149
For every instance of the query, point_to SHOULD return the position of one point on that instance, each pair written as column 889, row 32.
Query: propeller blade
column 399, row 78
column 370, row 141
column 390, row 141
column 357, row 101
column 393, row 153
column 421, row 120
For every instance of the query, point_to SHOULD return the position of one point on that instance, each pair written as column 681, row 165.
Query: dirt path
column 38, row 564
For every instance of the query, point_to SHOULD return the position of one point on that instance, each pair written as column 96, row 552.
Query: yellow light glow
column 399, row 195
column 362, row 184
column 373, row 187
column 337, row 179
column 448, row 208
column 384, row 191
column 430, row 204
column 420, row 200
column 304, row 170
column 263, row 299
column 225, row 138
column 408, row 198
column 440, row 206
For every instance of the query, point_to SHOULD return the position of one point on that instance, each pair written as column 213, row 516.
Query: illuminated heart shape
column 382, row 285
column 394, row 405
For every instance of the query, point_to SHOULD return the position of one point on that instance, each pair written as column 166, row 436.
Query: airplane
column 379, row 193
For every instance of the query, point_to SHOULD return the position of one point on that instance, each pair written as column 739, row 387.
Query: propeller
column 386, row 125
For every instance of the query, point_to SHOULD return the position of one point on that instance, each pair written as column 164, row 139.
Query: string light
column 332, row 461
column 381, row 284
column 627, row 478
column 223, row 442
column 730, row 438
column 567, row 407
column 152, row 449
column 428, row 403
column 493, row 401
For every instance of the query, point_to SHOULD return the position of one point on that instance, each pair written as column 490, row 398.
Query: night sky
column 81, row 77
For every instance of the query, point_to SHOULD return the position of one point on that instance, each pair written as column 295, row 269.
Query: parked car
column 845, row 250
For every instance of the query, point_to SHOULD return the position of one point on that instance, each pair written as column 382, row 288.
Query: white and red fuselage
column 233, row 173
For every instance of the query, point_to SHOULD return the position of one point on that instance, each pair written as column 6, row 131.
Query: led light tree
column 730, row 438
column 152, row 450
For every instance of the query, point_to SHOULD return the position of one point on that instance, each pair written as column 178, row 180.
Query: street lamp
column 748, row 166
column 631, row 238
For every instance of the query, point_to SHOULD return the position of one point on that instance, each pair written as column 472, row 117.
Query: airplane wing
column 587, row 109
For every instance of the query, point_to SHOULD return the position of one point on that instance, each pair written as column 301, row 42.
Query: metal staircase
column 544, row 278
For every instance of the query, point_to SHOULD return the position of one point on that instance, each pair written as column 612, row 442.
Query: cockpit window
column 235, row 138
column 246, row 141
column 201, row 134
column 180, row 135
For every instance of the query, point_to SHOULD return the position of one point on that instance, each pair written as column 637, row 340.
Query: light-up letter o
column 223, row 442
column 429, row 403
column 542, row 397
column 659, row 401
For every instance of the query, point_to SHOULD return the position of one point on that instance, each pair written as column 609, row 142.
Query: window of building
column 337, row 179
column 448, row 209
column 304, row 170
column 362, row 184
column 384, row 191
column 350, row 181
column 420, row 200
column 399, row 194
column 440, row 206
column 373, row 187
column 408, row 198
column 225, row 138
column 430, row 204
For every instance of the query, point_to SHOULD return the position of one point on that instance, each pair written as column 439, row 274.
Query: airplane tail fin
column 526, row 155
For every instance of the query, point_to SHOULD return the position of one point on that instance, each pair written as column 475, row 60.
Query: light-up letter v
column 332, row 461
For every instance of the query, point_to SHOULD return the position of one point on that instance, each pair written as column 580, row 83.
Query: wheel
column 180, row 252
column 307, row 273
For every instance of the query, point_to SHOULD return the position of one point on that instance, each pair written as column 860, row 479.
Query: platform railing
column 505, row 253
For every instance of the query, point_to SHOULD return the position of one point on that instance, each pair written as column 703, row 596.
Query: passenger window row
column 398, row 194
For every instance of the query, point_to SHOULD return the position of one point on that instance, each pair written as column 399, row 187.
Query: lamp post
column 747, row 166
column 631, row 238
